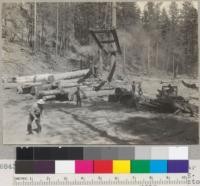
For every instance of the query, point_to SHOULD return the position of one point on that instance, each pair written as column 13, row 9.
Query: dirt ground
column 96, row 122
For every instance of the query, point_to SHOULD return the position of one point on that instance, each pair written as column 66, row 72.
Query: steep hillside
column 19, row 60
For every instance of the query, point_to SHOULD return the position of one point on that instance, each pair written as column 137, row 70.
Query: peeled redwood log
column 51, row 92
column 84, row 88
column 60, row 95
column 36, row 89
column 10, row 85
column 51, row 77
column 26, row 88
column 99, row 93
column 71, row 75
column 67, row 84
column 50, row 97
column 42, row 93
column 33, row 78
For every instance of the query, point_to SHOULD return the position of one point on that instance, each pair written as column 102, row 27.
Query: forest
column 155, row 39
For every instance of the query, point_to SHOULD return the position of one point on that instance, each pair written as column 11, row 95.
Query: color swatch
column 65, row 167
column 101, row 166
column 140, row 166
column 158, row 166
column 83, row 166
column 121, row 166
column 177, row 166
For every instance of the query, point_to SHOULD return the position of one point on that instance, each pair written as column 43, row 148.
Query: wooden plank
column 107, row 41
column 110, row 76
column 116, row 40
column 81, row 80
column 107, row 31
column 98, row 42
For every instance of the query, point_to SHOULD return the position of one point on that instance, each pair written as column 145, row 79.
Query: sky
column 165, row 4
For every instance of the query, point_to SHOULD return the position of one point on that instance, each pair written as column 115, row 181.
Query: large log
column 51, row 77
column 100, row 93
column 71, row 75
column 36, row 89
column 42, row 93
column 51, row 92
column 26, row 87
column 33, row 78
column 48, row 98
column 10, row 85
column 67, row 84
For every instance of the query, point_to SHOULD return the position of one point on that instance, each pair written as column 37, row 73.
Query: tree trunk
column 124, row 61
column 100, row 62
column 35, row 27
column 57, row 24
column 114, row 15
column 173, row 61
column 157, row 53
column 148, row 58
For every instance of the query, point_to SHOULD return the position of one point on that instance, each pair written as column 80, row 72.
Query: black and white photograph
column 100, row 73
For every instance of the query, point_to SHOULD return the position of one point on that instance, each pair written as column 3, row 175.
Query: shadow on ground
column 162, row 129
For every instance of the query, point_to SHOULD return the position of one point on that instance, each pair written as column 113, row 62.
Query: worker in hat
column 140, row 92
column 35, row 115
column 78, row 96
column 133, row 88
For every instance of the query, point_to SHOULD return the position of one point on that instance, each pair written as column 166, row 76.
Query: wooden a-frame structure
column 111, row 38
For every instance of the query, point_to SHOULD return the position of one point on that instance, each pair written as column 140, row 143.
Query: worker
column 133, row 88
column 35, row 115
column 170, row 89
column 78, row 97
column 140, row 92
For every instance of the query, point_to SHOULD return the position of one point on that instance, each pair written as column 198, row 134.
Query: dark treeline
column 155, row 37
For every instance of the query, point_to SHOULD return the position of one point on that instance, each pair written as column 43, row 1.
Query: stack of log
column 35, row 83
column 67, row 93
column 60, row 86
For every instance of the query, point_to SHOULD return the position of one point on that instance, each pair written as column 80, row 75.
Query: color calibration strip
column 103, row 153
column 100, row 166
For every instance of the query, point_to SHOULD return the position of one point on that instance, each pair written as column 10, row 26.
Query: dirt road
column 97, row 122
